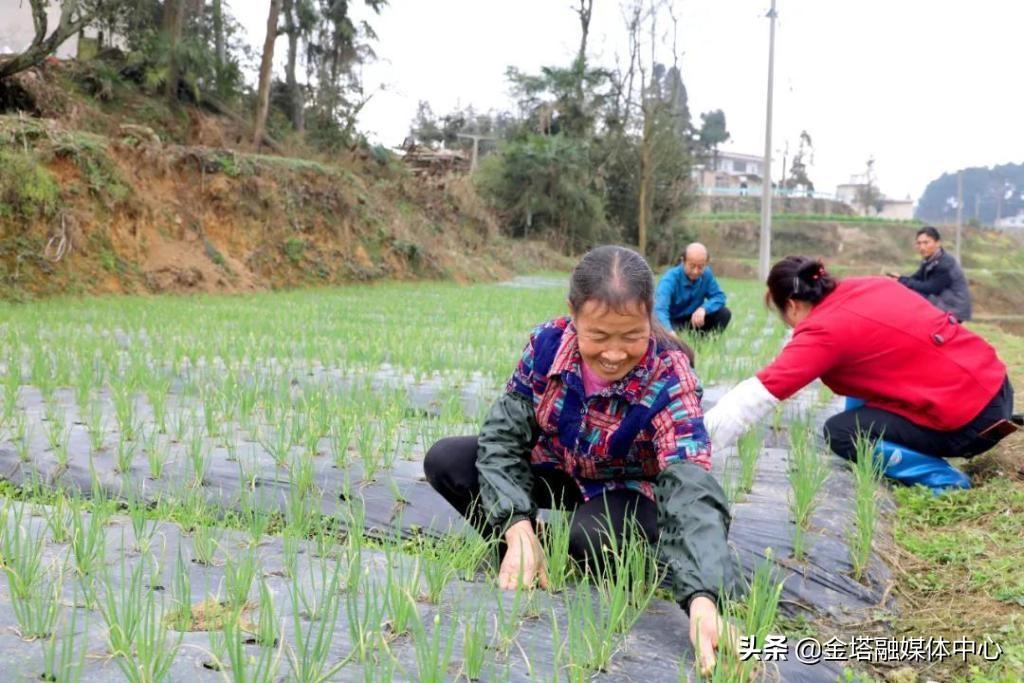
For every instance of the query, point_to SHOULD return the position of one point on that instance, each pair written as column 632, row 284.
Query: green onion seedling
column 155, row 647
column 474, row 644
column 58, row 518
column 808, row 472
column 433, row 651
column 63, row 655
column 181, row 595
column 268, row 630
column 749, row 448
column 243, row 668
column 199, row 456
column 311, row 639
column 33, row 599
column 205, row 541
column 95, row 426
column 21, row 434
column 88, row 537
column 401, row 585
column 239, row 574
column 122, row 607
column 867, row 472
column 125, row 454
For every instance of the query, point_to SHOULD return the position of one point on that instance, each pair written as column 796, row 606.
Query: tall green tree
column 595, row 154
column 713, row 132
column 541, row 186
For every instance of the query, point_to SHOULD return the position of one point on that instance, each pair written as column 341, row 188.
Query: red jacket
column 874, row 339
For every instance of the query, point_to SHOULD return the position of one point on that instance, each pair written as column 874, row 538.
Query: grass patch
column 962, row 575
column 294, row 248
column 27, row 189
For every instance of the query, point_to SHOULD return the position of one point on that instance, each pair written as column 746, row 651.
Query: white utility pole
column 959, row 211
column 765, row 247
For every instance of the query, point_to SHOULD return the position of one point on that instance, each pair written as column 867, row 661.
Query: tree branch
column 40, row 49
column 39, row 21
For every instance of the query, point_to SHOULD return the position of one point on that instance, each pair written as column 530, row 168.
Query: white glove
column 745, row 404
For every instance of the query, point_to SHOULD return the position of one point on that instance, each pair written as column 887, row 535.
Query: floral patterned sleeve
column 522, row 380
column 679, row 432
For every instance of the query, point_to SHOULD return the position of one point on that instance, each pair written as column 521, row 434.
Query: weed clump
column 27, row 189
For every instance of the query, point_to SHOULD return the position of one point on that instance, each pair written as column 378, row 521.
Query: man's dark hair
column 931, row 232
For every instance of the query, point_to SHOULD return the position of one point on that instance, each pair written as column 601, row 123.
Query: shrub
column 27, row 188
column 294, row 248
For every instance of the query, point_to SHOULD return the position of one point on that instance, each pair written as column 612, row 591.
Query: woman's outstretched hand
column 524, row 559
column 705, row 631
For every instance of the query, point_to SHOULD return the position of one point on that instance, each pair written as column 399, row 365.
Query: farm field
column 230, row 488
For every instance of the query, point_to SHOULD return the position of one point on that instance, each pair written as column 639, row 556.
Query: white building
column 847, row 193
column 739, row 165
column 730, row 170
column 1011, row 222
column 885, row 207
column 897, row 209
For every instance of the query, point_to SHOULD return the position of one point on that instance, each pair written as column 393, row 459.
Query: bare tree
column 72, row 20
column 263, row 93
column 623, row 81
column 651, row 104
column 585, row 11
column 293, row 29
column 218, row 40
column 173, row 22
column 868, row 195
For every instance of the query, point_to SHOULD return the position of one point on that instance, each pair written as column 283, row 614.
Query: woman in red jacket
column 927, row 388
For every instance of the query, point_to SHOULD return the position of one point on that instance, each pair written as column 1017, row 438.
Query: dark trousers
column 713, row 322
column 450, row 467
column 841, row 430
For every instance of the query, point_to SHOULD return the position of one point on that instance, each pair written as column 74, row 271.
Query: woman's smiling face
column 612, row 342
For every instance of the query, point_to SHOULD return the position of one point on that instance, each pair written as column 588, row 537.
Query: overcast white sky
column 924, row 86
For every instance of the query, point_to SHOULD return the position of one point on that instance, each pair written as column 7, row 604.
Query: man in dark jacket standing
column 940, row 278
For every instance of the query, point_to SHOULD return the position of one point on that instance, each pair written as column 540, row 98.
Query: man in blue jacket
column 688, row 295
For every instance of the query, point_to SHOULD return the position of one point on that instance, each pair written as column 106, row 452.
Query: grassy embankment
column 115, row 191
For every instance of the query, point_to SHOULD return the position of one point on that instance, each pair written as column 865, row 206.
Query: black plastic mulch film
column 820, row 588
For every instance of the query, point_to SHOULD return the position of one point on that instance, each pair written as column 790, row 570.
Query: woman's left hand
column 705, row 631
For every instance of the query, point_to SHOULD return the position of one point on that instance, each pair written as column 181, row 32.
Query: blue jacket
column 677, row 297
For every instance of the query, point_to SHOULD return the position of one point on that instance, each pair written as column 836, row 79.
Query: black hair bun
column 811, row 271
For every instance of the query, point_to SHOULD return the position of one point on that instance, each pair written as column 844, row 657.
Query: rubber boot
column 852, row 403
column 909, row 467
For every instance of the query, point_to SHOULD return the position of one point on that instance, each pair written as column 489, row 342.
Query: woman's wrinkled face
column 612, row 342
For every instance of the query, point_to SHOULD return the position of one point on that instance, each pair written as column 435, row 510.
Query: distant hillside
column 988, row 194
